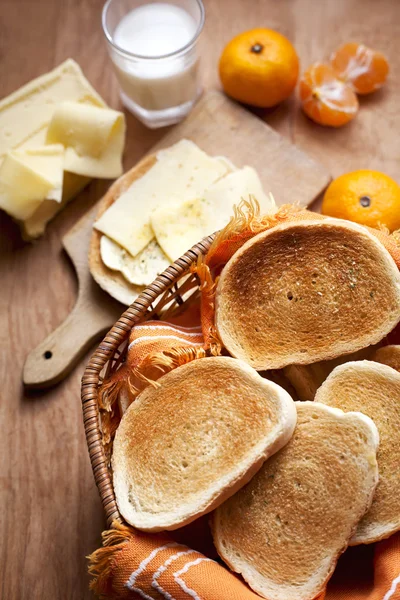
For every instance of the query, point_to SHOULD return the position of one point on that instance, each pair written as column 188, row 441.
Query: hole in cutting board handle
column 47, row 355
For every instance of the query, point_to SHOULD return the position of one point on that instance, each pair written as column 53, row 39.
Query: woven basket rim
column 104, row 352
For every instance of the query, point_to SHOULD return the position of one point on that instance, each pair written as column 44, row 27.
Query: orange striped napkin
column 154, row 348
column 180, row 565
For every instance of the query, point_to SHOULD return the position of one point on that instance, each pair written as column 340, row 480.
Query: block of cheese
column 35, row 226
column 93, row 138
column 27, row 177
column 177, row 227
column 24, row 118
column 181, row 172
column 141, row 269
column 26, row 114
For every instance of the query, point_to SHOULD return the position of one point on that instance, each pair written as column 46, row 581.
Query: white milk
column 154, row 83
column 155, row 29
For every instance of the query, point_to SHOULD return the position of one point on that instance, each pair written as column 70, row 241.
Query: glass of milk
column 153, row 48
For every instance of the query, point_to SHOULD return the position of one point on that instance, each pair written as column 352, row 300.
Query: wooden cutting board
column 220, row 127
column 92, row 316
column 223, row 127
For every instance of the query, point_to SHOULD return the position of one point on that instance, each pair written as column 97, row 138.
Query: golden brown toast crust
column 307, row 291
column 184, row 447
column 373, row 389
column 285, row 530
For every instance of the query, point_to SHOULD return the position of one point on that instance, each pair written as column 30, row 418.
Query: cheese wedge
column 27, row 177
column 181, row 225
column 181, row 172
column 141, row 269
column 93, row 138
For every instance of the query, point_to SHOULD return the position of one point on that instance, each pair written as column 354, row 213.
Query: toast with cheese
column 119, row 273
column 373, row 389
column 285, row 530
column 162, row 208
column 306, row 291
column 108, row 279
column 125, row 256
column 188, row 444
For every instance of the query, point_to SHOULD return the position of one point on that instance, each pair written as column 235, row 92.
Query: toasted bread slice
column 373, row 389
column 285, row 530
column 388, row 355
column 111, row 281
column 306, row 379
column 307, row 291
column 185, row 446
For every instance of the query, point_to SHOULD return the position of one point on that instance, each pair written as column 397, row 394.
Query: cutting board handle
column 56, row 356
column 93, row 315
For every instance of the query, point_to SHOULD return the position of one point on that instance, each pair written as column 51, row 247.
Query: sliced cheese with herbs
column 28, row 177
column 93, row 138
column 181, row 172
column 141, row 269
column 179, row 226
column 228, row 163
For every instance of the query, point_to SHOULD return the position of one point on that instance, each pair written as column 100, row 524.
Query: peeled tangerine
column 325, row 98
column 364, row 69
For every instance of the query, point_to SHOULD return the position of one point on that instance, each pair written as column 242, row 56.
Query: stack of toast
column 289, row 480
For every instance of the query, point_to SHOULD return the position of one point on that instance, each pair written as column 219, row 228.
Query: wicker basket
column 163, row 297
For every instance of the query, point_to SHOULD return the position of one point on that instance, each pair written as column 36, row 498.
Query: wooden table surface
column 50, row 513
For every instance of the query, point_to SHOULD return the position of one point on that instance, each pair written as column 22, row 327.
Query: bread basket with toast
column 166, row 291
column 285, row 516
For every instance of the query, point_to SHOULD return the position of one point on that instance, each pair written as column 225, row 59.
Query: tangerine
column 325, row 98
column 366, row 197
column 366, row 70
column 259, row 67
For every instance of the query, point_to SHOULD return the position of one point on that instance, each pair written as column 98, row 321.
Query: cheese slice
column 35, row 226
column 27, row 177
column 179, row 226
column 181, row 172
column 141, row 269
column 228, row 163
column 46, row 161
column 24, row 118
column 25, row 114
column 93, row 138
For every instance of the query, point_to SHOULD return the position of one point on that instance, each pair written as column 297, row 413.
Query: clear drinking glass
column 153, row 47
